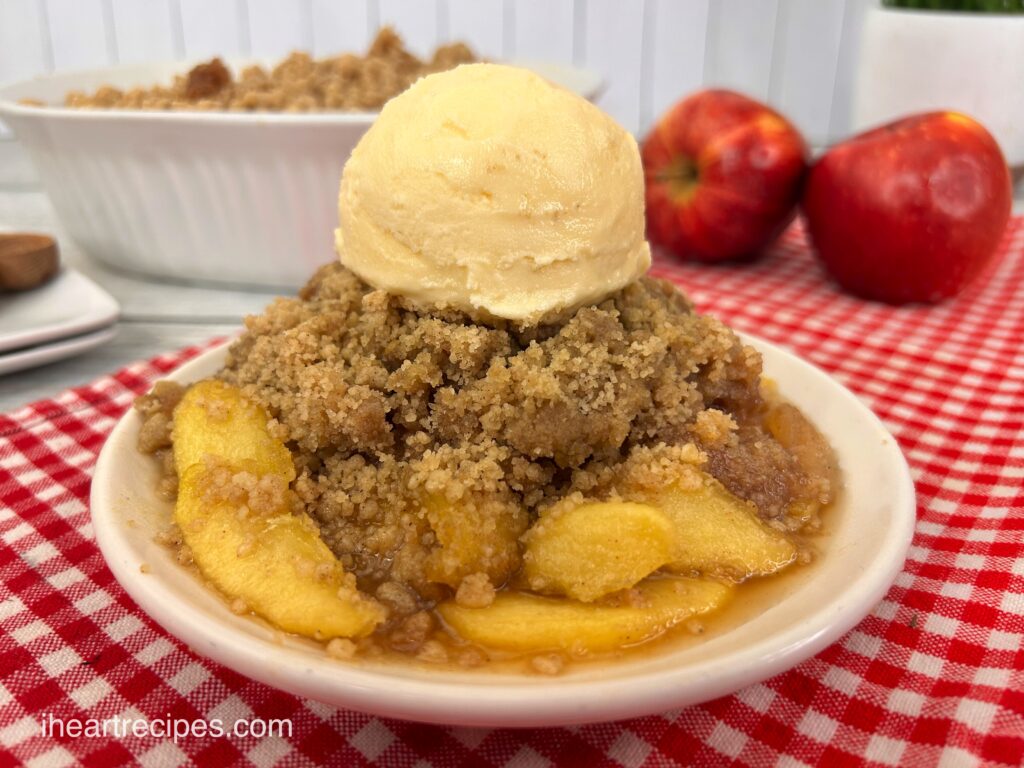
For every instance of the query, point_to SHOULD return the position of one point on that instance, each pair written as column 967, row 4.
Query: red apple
column 723, row 176
column 911, row 211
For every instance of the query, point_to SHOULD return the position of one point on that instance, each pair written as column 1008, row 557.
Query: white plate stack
column 68, row 315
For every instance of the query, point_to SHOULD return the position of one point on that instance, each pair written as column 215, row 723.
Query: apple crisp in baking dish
column 298, row 83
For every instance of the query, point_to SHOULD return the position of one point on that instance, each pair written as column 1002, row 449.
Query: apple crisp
column 426, row 443
column 299, row 83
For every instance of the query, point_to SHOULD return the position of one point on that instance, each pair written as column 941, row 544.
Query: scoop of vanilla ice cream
column 487, row 187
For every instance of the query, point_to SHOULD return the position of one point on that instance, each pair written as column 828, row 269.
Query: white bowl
column 868, row 537
column 234, row 197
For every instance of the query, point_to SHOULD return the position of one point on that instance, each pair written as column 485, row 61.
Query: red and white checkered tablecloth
column 934, row 676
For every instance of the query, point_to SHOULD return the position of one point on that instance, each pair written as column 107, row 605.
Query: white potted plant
column 964, row 55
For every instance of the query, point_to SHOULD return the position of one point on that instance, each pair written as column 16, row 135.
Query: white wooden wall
column 796, row 54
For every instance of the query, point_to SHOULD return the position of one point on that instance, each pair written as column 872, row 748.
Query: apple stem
column 681, row 176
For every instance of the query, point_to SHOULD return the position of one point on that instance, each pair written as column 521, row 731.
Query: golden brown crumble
column 413, row 632
column 245, row 491
column 433, row 652
column 548, row 663
column 341, row 648
column 426, row 441
column 397, row 415
column 299, row 83
column 475, row 591
column 239, row 606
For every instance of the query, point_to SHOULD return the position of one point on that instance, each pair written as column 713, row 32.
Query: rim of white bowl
column 485, row 699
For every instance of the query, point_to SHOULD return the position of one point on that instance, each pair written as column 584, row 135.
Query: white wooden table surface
column 156, row 317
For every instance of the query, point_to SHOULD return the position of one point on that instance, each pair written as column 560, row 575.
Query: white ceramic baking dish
column 232, row 197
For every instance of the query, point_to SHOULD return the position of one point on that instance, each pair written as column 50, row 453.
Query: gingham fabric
column 934, row 676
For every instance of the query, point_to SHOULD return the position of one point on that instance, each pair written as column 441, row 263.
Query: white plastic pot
column 915, row 61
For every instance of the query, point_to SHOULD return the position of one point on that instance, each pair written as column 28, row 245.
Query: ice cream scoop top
column 488, row 188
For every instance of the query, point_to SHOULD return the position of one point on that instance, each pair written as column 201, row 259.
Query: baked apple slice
column 527, row 623
column 592, row 550
column 719, row 534
column 215, row 418
column 479, row 533
column 235, row 512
